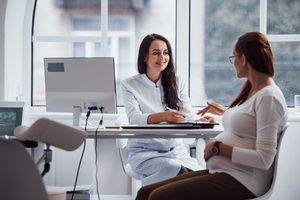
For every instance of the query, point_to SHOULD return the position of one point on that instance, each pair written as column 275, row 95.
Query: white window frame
column 263, row 27
column 18, row 22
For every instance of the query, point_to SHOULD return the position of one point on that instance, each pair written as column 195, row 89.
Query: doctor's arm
column 136, row 116
column 166, row 116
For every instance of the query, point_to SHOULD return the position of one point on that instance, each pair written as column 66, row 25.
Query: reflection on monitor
column 10, row 117
column 83, row 82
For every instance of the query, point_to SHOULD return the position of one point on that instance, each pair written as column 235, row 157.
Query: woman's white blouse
column 141, row 98
column 253, row 129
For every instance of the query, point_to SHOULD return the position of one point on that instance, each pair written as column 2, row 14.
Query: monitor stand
column 76, row 115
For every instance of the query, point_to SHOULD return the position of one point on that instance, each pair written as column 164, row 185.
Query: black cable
column 101, row 120
column 96, row 161
column 87, row 118
column 46, row 169
column 88, row 113
column 83, row 150
column 96, row 152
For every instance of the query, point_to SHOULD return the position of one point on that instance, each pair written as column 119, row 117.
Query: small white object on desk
column 297, row 104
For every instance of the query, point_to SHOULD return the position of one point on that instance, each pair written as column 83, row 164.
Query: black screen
column 10, row 118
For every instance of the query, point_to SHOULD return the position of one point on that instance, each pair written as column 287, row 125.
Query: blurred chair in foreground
column 19, row 176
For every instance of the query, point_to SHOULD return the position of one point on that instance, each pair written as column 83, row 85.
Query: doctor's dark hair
column 168, row 78
column 257, row 50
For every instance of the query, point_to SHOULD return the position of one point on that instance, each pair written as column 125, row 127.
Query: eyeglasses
column 231, row 59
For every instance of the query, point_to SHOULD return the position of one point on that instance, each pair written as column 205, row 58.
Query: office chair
column 19, row 176
column 285, row 183
column 136, row 184
column 200, row 145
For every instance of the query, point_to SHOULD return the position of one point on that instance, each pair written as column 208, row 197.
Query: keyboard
column 187, row 125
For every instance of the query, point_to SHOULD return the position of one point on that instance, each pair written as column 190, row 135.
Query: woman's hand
column 213, row 108
column 206, row 119
column 173, row 116
column 208, row 150
column 224, row 150
column 166, row 116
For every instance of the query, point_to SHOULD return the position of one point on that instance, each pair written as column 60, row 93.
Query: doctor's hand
column 173, row 116
column 213, row 108
column 166, row 116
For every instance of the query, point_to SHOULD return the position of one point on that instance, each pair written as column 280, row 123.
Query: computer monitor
column 11, row 114
column 80, row 82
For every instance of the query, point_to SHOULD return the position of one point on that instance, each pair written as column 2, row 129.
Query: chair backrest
column 200, row 146
column 19, row 176
column 121, row 145
column 53, row 133
column 286, row 183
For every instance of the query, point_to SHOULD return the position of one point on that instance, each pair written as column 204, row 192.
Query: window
column 216, row 24
column 212, row 75
column 78, row 28
column 283, row 17
column 64, row 28
column 283, row 29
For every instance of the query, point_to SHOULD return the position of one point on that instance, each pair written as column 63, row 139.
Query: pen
column 172, row 110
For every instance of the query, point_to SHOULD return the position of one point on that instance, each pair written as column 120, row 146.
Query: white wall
column 2, row 18
column 17, row 50
column 16, row 25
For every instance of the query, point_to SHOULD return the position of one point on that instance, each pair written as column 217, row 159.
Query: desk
column 154, row 133
column 114, row 134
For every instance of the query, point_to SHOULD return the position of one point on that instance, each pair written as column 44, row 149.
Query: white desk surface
column 154, row 133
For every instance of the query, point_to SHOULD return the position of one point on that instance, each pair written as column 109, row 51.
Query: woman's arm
column 167, row 116
column 268, row 116
column 174, row 116
column 134, row 114
column 213, row 108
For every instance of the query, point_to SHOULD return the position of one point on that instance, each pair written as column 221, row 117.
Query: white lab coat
column 154, row 159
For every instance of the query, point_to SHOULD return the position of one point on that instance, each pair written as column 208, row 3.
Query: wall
column 2, row 19
column 13, row 48
column 16, row 24
column 17, row 54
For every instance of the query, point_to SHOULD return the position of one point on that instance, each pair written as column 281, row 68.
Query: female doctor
column 148, row 98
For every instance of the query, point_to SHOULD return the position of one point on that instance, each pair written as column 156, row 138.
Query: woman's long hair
column 168, row 78
column 257, row 50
